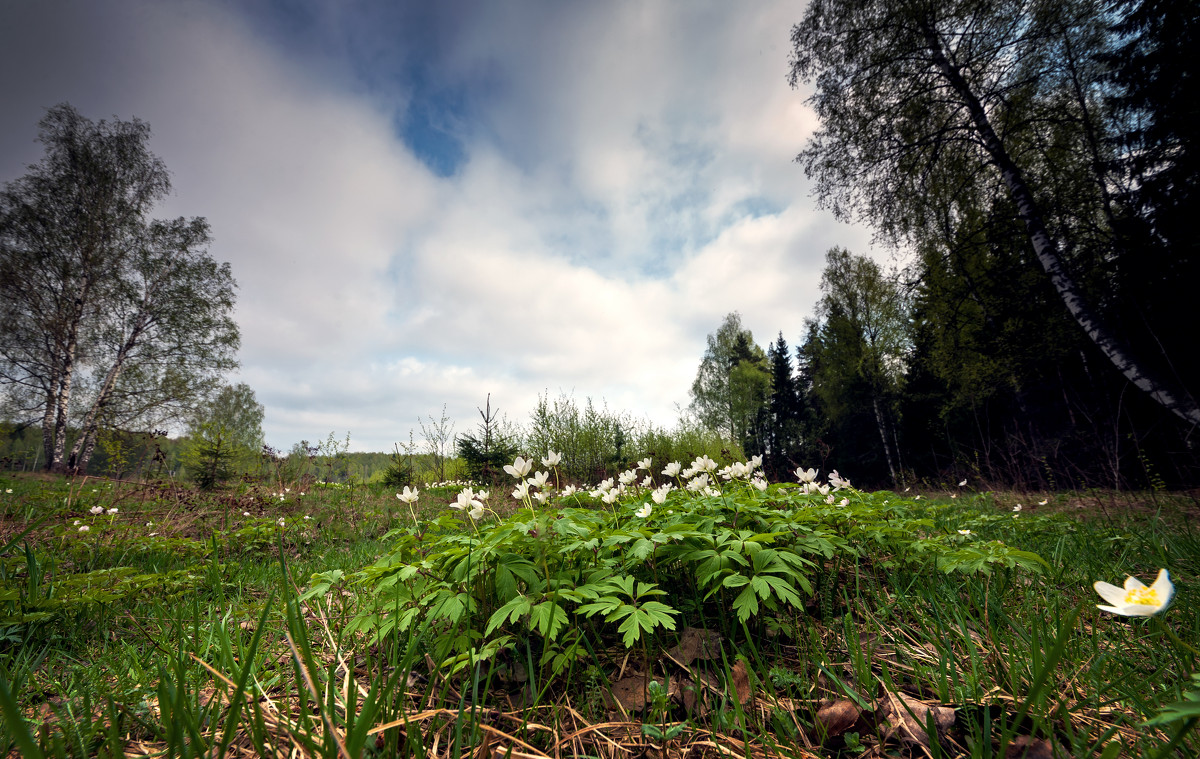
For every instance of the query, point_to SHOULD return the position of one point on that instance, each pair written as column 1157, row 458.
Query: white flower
column 660, row 494
column 1043, row 502
column 152, row 534
column 822, row 489
column 754, row 463
column 113, row 511
column 610, row 496
column 282, row 522
column 843, row 503
column 735, row 471
column 522, row 491
column 84, row 528
column 647, row 481
column 1018, row 507
column 805, row 475
column 712, row 492
column 519, row 468
column 917, row 497
column 837, row 481
column 97, row 510
column 409, row 496
column 76, row 523
column 627, row 477
column 541, row 496
column 569, row 490
column 483, row 495
column 551, row 459
column 149, row 524
column 245, row 513
column 964, row 532
column 672, row 469
column 307, row 517
column 644, row 511
column 829, row 499
column 466, row 500
column 476, row 512
column 645, row 463
column 954, row 495
column 962, row 484
column 8, row 490
column 759, row 483
column 287, row 490
column 1135, row 599
column 539, row 479
column 704, row 464
column 698, row 484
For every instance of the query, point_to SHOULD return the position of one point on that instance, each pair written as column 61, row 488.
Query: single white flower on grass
column 281, row 522
column 96, row 510
column 610, row 496
column 519, row 468
column 1043, row 502
column 644, row 511
column 954, row 495
column 1135, row 599
column 551, row 459
column 539, row 479
column 409, row 496
column 541, row 496
column 522, row 491
column 245, row 513
column 645, row 463
column 569, row 490
column 113, row 511
column 1018, row 507
column 476, row 512
column 673, row 469
column 962, row 484
column 844, row 503
column 759, row 483
column 8, row 490
column 307, row 517
column 76, row 523
column 964, row 532
column 84, row 528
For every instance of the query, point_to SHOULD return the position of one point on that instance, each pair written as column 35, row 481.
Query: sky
column 426, row 203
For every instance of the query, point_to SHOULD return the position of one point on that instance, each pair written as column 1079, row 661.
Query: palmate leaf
column 548, row 618
column 650, row 615
column 510, row 612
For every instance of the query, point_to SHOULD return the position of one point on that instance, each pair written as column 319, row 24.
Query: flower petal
column 1163, row 588
column 1133, row 583
column 1113, row 609
column 1110, row 593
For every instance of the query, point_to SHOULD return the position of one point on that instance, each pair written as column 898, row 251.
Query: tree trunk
column 1046, row 251
column 887, row 449
column 81, row 452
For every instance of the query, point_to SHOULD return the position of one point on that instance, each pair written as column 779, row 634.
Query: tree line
column 1035, row 161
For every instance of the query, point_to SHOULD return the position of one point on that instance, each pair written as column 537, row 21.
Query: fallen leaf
column 906, row 716
column 741, row 681
column 630, row 692
column 1027, row 747
column 837, row 718
column 695, row 643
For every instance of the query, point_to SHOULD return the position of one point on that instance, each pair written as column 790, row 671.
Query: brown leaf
column 695, row 643
column 741, row 681
column 1027, row 747
column 837, row 718
column 630, row 692
column 907, row 717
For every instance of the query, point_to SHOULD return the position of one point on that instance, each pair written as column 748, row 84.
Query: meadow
column 674, row 610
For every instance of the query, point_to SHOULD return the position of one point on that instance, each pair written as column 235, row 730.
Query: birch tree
column 109, row 317
column 920, row 101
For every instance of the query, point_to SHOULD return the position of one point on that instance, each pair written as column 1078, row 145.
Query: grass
column 746, row 624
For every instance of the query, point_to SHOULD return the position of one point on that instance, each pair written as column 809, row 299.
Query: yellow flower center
column 1145, row 596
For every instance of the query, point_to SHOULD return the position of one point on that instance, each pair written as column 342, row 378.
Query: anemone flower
column 1135, row 599
column 643, row 512
column 552, row 458
column 519, row 468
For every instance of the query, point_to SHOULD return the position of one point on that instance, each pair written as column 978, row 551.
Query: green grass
column 570, row 629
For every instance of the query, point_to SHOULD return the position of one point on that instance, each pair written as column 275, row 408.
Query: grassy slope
column 161, row 654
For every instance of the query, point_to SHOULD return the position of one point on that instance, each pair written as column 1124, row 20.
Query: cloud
column 625, row 180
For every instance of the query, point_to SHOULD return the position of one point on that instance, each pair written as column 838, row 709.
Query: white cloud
column 628, row 182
